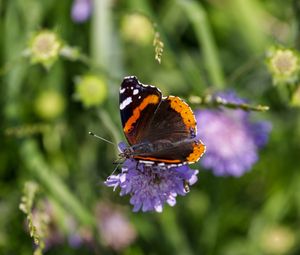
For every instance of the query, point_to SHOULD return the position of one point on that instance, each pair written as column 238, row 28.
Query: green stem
column 210, row 101
column 101, row 32
column 197, row 15
column 35, row 163
column 105, row 48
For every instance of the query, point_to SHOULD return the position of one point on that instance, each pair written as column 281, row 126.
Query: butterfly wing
column 172, row 134
column 187, row 151
column 138, row 103
column 159, row 130
column 173, row 119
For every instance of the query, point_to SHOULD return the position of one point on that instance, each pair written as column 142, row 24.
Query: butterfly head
column 126, row 153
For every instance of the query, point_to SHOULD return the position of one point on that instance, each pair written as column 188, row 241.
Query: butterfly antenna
column 101, row 138
column 116, row 168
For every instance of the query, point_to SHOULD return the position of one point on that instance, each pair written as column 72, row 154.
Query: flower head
column 81, row 10
column 284, row 65
column 151, row 186
column 232, row 141
column 44, row 48
column 91, row 90
column 115, row 229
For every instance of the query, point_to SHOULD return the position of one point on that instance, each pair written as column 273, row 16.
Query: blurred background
column 61, row 65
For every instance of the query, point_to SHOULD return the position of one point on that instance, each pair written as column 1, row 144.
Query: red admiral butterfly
column 160, row 130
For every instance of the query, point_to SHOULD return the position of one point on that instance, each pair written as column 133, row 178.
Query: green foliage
column 202, row 47
column 37, row 227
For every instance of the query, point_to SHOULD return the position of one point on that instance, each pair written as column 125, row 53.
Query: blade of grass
column 249, row 19
column 36, row 164
column 105, row 45
column 197, row 16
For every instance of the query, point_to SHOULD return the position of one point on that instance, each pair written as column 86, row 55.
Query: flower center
column 285, row 62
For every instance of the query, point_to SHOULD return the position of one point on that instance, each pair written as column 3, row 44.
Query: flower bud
column 91, row 90
column 49, row 104
column 81, row 10
column 137, row 28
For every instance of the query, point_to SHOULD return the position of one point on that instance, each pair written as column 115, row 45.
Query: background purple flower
column 151, row 186
column 232, row 140
column 115, row 229
column 81, row 10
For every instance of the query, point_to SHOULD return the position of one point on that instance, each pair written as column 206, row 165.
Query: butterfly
column 160, row 130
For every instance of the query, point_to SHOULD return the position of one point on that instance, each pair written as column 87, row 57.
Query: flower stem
column 215, row 102
column 105, row 48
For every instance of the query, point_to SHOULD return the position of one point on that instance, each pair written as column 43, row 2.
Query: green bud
column 91, row 90
column 49, row 104
column 137, row 28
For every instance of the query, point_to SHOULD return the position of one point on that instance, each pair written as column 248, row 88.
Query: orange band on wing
column 184, row 110
column 157, row 159
column 152, row 99
column 198, row 151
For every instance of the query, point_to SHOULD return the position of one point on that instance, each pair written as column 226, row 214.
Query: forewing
column 138, row 103
column 170, row 136
column 173, row 120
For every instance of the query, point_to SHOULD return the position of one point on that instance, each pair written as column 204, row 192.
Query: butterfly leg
column 137, row 166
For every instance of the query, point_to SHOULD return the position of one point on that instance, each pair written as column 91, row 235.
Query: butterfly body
column 160, row 130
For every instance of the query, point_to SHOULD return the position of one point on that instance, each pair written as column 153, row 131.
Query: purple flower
column 81, row 10
column 151, row 186
column 115, row 229
column 232, row 140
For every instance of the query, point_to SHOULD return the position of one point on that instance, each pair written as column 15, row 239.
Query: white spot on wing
column 122, row 90
column 125, row 103
column 139, row 97
column 129, row 77
column 146, row 162
column 135, row 92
